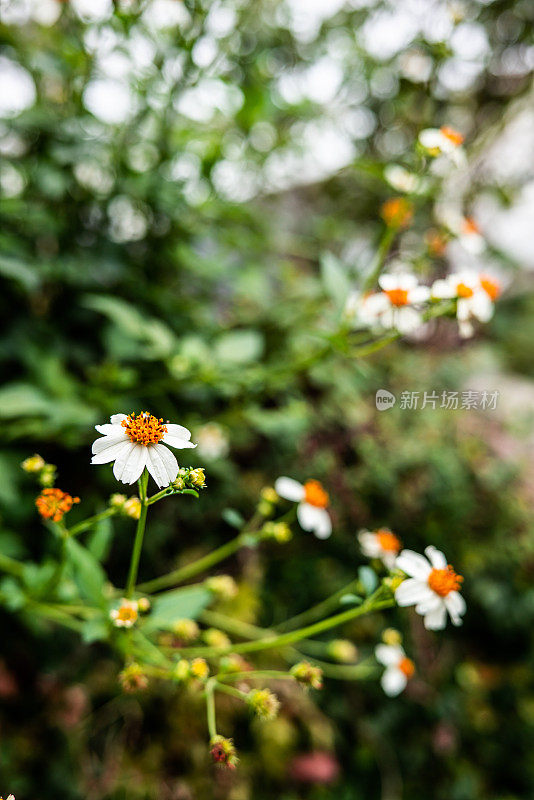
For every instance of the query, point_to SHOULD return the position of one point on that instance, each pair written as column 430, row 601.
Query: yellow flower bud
column 216, row 638
column 186, row 630
column 392, row 637
column 223, row 586
column 199, row 669
column 263, row 703
column 132, row 508
column 33, row 464
column 342, row 650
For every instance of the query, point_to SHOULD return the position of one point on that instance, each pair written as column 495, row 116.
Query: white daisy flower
column 396, row 306
column 382, row 544
column 475, row 297
column 444, row 141
column 125, row 616
column 470, row 236
column 432, row 588
column 399, row 668
column 404, row 181
column 312, row 502
column 137, row 441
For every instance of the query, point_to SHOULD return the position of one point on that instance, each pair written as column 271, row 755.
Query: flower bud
column 143, row 604
column 223, row 752
column 132, row 508
column 133, row 678
column 216, row 638
column 279, row 531
column 263, row 703
column 186, row 630
column 234, row 663
column 181, row 672
column 392, row 637
column 117, row 501
column 342, row 650
column 199, row 669
column 47, row 475
column 33, row 464
column 307, row 674
column 269, row 495
column 397, row 212
column 223, row 586
column 198, row 478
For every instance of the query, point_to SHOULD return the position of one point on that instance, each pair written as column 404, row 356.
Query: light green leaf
column 335, row 280
column 239, row 347
column 95, row 630
column 368, row 579
column 99, row 540
column 87, row 572
column 178, row 604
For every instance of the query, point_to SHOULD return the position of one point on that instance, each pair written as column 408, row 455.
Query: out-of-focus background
column 189, row 190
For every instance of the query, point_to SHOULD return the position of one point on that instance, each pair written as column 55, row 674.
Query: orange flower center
column 491, row 287
column 463, row 290
column 444, row 581
column 388, row 541
column 53, row 504
column 453, row 136
column 397, row 297
column 127, row 614
column 315, row 495
column 407, row 666
column 397, row 212
column 144, row 429
column 469, row 226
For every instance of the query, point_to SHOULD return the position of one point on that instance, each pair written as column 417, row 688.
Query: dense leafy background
column 178, row 261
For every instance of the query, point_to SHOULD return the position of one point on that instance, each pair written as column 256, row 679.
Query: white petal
column 111, row 453
column 116, row 419
column 389, row 558
column 413, row 564
column 443, row 290
column 437, row 619
column 429, row 604
column 161, row 464
column 178, row 431
column 107, row 441
column 408, row 320
column 436, row 557
column 369, row 544
column 289, row 489
column 482, row 306
column 110, row 430
column 177, row 441
column 456, row 607
column 393, row 681
column 465, row 330
column 122, row 458
column 419, row 294
column 135, row 464
column 431, row 138
column 323, row 527
column 307, row 516
column 388, row 654
column 412, row 591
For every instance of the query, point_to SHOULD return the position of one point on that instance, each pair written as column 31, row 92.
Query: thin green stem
column 267, row 674
column 381, row 254
column 85, row 524
column 139, row 534
column 56, row 615
column 319, row 610
column 231, row 691
column 184, row 573
column 210, row 709
column 12, row 566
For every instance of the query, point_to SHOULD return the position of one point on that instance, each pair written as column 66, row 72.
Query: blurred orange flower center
column 315, row 495
column 144, row 429
column 407, row 666
column 388, row 541
column 127, row 614
column 462, row 290
column 444, row 581
column 53, row 504
column 397, row 297
column 469, row 226
column 491, row 287
column 453, row 136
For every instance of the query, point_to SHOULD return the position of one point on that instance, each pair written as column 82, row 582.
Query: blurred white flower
column 402, row 180
column 475, row 295
column 212, row 441
column 134, row 442
column 382, row 544
column 312, row 502
column 18, row 88
column 399, row 668
column 110, row 100
column 444, row 141
column 432, row 587
column 125, row 616
column 397, row 305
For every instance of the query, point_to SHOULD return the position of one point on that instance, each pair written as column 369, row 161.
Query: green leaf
column 239, row 347
column 20, row 271
column 22, row 400
column 335, row 280
column 99, row 540
column 95, row 630
column 88, row 575
column 233, row 518
column 368, row 579
column 12, row 595
column 178, row 604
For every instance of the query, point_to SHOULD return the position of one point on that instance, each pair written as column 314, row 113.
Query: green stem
column 210, row 709
column 184, row 573
column 54, row 614
column 373, row 603
column 381, row 254
column 90, row 521
column 139, row 534
column 319, row 610
column 268, row 674
column 232, row 691
column 12, row 566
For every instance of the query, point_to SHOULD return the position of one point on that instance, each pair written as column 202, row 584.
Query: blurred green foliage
column 158, row 264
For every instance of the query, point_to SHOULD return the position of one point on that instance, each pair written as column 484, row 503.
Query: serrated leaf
column 178, row 604
column 87, row 573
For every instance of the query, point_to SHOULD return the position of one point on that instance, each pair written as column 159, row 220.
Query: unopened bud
column 307, row 674
column 223, row 586
column 181, row 672
column 263, row 703
column 216, row 638
column 33, row 464
column 223, row 752
column 132, row 508
column 133, row 678
column 143, row 604
column 342, row 650
column 392, row 637
column 279, row 531
column 198, row 478
column 186, row 630
column 199, row 669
